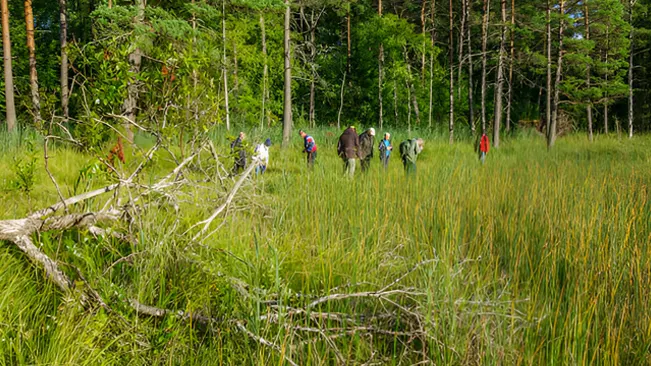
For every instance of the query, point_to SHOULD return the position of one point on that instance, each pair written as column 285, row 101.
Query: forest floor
column 536, row 257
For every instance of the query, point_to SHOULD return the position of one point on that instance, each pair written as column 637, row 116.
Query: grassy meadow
column 534, row 258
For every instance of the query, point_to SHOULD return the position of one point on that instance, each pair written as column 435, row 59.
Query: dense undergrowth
column 536, row 257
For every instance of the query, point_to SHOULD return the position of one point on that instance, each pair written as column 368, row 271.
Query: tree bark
column 410, row 84
column 287, row 96
column 551, row 133
column 500, row 80
column 33, row 74
column 312, row 26
column 380, row 62
column 451, row 54
column 548, row 112
column 129, row 108
column 395, row 102
column 588, row 107
column 431, row 63
column 348, row 43
column 462, row 32
column 509, row 103
column 423, row 27
column 471, row 112
column 224, row 69
column 63, row 33
column 606, row 78
column 265, row 73
column 484, row 40
column 9, row 78
column 630, row 70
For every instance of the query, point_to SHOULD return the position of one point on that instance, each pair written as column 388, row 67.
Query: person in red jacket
column 484, row 146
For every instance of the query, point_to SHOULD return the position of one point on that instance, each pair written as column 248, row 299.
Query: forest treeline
column 459, row 66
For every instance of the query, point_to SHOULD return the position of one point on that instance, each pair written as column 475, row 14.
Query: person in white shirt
column 261, row 157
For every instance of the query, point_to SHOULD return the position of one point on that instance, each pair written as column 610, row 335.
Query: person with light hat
column 366, row 144
column 385, row 149
column 348, row 150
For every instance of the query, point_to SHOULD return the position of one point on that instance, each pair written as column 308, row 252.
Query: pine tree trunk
column 63, row 34
column 588, row 107
column 312, row 67
column 471, row 112
column 484, row 40
column 265, row 73
column 33, row 75
column 287, row 105
column 224, row 69
column 509, row 104
column 451, row 54
column 380, row 62
column 129, row 108
column 551, row 135
column 413, row 98
column 630, row 70
column 548, row 112
column 9, row 78
column 500, row 80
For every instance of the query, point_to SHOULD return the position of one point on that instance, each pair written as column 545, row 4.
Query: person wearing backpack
column 409, row 151
column 385, row 150
column 366, row 144
column 239, row 153
column 309, row 148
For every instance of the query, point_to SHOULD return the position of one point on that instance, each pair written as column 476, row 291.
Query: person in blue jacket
column 385, row 149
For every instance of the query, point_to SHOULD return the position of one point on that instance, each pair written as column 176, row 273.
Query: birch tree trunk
column 462, row 33
column 422, row 29
column 551, row 135
column 484, row 40
column 451, row 126
column 630, row 70
column 380, row 68
column 348, row 42
column 33, row 75
column 10, row 106
column 312, row 26
column 265, row 73
column 606, row 78
column 548, row 112
column 588, row 107
column 224, row 69
column 287, row 96
column 63, row 34
column 395, row 102
column 431, row 63
column 129, row 108
column 500, row 80
column 471, row 112
column 509, row 103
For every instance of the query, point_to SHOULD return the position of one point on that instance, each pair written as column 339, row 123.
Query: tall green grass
column 542, row 258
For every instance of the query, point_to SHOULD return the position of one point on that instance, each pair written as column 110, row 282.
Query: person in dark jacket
column 348, row 150
column 366, row 145
column 239, row 153
column 309, row 148
column 409, row 151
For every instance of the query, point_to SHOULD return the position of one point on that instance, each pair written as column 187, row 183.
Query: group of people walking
column 353, row 146
column 350, row 148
